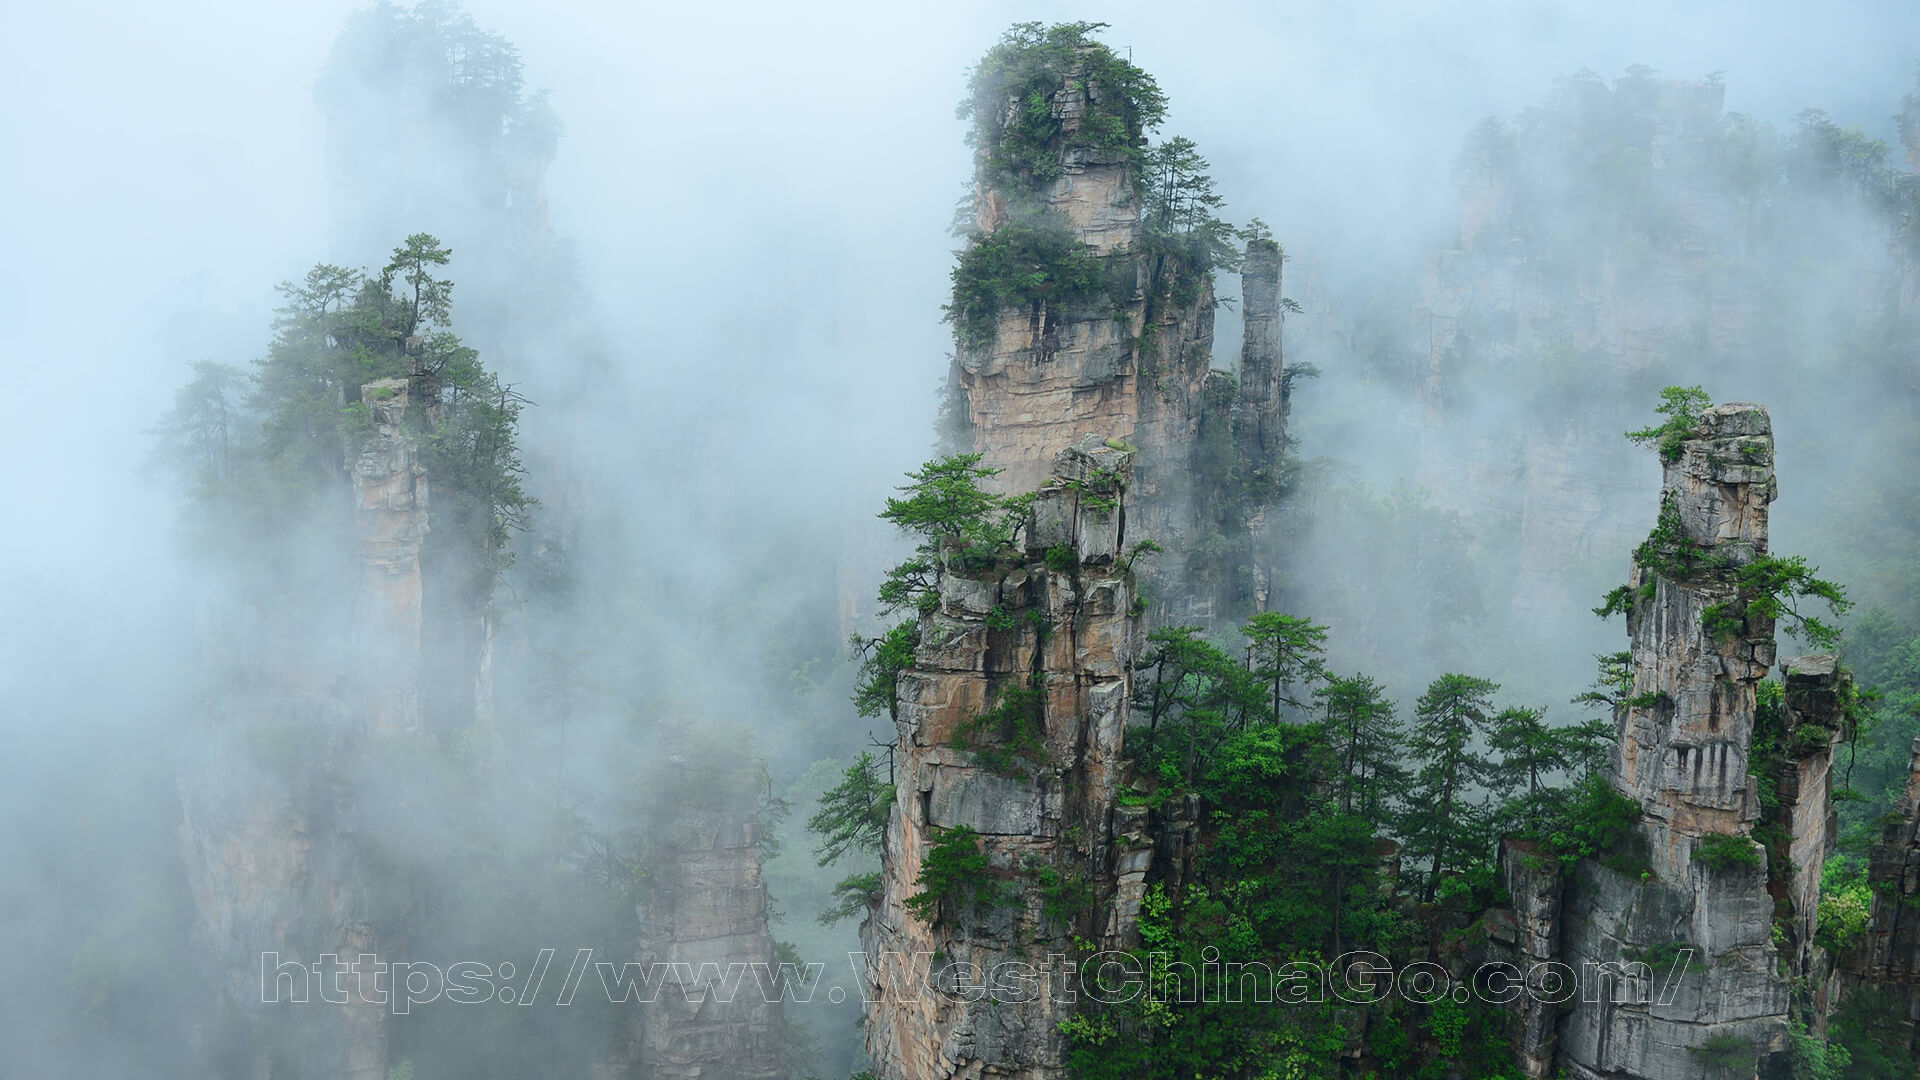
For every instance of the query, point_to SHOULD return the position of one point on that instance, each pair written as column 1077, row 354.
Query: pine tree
column 1284, row 651
column 1438, row 823
column 1366, row 736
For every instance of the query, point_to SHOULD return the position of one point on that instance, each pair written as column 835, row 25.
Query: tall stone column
column 1058, row 622
column 390, row 522
column 1691, row 877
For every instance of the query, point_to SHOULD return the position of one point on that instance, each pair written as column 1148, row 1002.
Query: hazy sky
column 760, row 192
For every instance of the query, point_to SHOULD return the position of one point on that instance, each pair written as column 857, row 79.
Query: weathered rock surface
column 1682, row 754
column 1070, row 631
column 280, row 852
column 707, row 905
column 1137, row 369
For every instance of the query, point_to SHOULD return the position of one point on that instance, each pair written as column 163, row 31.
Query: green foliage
column 1439, row 825
column 1285, row 652
column 852, row 896
column 1666, row 956
column 1774, row 588
column 199, row 437
column 1063, row 559
column 1845, row 914
column 882, row 659
column 1682, row 406
column 1814, row 1058
column 954, row 870
column 1032, row 263
column 1612, row 684
column 1618, row 601
column 956, row 521
column 1730, row 1054
column 1364, row 733
column 1871, row 1025
column 1011, row 94
column 1179, row 225
column 1197, row 697
column 1009, row 736
column 853, row 813
column 1597, row 823
column 277, row 460
column 1724, row 852
column 1668, row 550
column 1447, row 1023
column 1064, row 894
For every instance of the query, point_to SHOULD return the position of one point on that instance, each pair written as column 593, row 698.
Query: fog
column 755, row 203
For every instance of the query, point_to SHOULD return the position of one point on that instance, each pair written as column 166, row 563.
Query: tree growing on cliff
column 1180, row 223
column 956, row 520
column 199, row 438
column 1682, row 406
column 852, row 817
column 1010, row 102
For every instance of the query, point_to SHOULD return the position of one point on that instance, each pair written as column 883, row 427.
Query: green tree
column 876, row 685
column 1365, row 734
column 853, row 813
column 955, row 519
column 1682, row 406
column 1528, row 750
column 1436, row 820
column 1180, row 216
column 197, row 438
column 1285, row 652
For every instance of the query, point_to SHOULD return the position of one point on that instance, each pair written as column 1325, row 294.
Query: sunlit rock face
column 1683, row 755
column 1059, row 620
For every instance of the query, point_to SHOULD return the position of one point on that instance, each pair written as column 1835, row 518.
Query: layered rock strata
column 1699, row 908
column 1059, row 619
column 706, row 916
column 1136, row 367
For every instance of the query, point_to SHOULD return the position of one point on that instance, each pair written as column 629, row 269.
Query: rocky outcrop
column 1051, row 373
column 1527, row 936
column 1057, row 627
column 281, row 844
column 705, row 911
column 1683, row 755
column 1570, row 308
column 390, row 522
column 1818, row 692
column 1133, row 364
column 1260, row 413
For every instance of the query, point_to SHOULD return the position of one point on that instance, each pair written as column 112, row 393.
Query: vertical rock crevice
column 1684, row 755
column 1059, row 620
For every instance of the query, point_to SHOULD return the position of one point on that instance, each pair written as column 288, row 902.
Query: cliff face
column 1039, row 798
column 1052, row 373
column 708, row 906
column 280, row 844
column 1134, row 365
column 1574, row 304
column 1684, row 755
